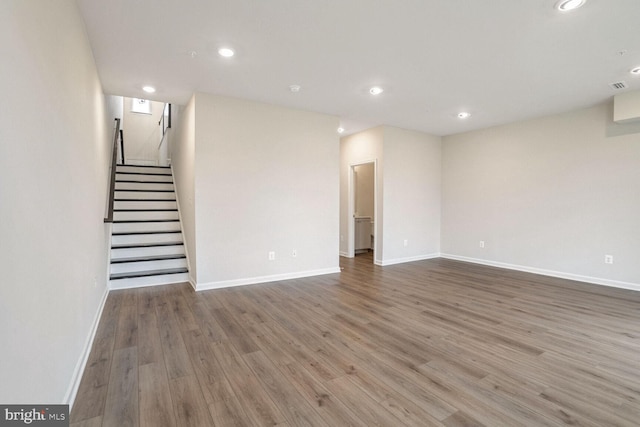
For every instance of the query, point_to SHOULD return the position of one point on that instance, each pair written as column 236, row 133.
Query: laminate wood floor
column 429, row 343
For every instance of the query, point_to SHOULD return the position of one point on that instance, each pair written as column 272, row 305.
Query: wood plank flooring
column 429, row 343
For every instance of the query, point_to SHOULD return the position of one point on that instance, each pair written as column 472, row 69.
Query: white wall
column 362, row 147
column 183, row 164
column 412, row 199
column 142, row 134
column 408, row 200
column 164, row 152
column 554, row 194
column 115, row 107
column 365, row 190
column 266, row 180
column 54, row 158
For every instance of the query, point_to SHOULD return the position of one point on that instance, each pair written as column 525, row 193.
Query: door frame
column 351, row 223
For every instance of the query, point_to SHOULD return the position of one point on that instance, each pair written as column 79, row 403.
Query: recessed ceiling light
column 340, row 130
column 149, row 89
column 226, row 52
column 567, row 5
column 464, row 115
column 294, row 88
column 635, row 71
column 376, row 90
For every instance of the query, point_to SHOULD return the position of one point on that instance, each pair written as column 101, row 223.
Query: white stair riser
column 149, row 281
column 131, row 267
column 146, row 238
column 145, row 226
column 144, row 204
column 143, row 186
column 133, row 177
column 155, row 250
column 134, row 204
column 146, row 215
column 145, row 195
column 125, row 168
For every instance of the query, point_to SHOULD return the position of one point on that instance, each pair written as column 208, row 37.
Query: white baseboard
column 182, row 233
column 192, row 281
column 72, row 390
column 551, row 273
column 344, row 254
column 264, row 279
column 386, row 262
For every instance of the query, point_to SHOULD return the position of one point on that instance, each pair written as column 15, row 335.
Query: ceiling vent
column 618, row 85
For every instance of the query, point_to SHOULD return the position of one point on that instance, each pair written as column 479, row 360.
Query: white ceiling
column 501, row 60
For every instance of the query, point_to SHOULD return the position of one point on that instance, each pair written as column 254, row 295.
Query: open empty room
column 285, row 213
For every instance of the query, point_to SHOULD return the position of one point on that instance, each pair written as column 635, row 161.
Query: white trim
column 147, row 281
column 345, row 254
column 351, row 207
column 192, row 282
column 386, row 262
column 184, row 236
column 551, row 273
column 108, row 249
column 264, row 279
column 72, row 390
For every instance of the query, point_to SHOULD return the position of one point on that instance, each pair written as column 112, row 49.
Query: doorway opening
column 363, row 225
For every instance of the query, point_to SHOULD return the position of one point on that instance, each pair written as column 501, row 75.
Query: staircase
column 146, row 242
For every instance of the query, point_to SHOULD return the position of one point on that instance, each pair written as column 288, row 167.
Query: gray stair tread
column 145, row 245
column 122, row 221
column 147, row 210
column 148, row 273
column 143, row 200
column 143, row 190
column 147, row 258
column 137, row 181
column 143, row 166
column 142, row 173
column 138, row 233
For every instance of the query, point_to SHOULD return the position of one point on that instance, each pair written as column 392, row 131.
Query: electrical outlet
column 272, row 255
column 608, row 259
column 294, row 253
column 482, row 244
column 406, row 243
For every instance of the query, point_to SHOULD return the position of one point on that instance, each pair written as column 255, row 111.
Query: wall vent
column 618, row 85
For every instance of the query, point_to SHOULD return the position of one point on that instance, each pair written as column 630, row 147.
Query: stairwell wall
column 183, row 165
column 142, row 134
column 54, row 170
